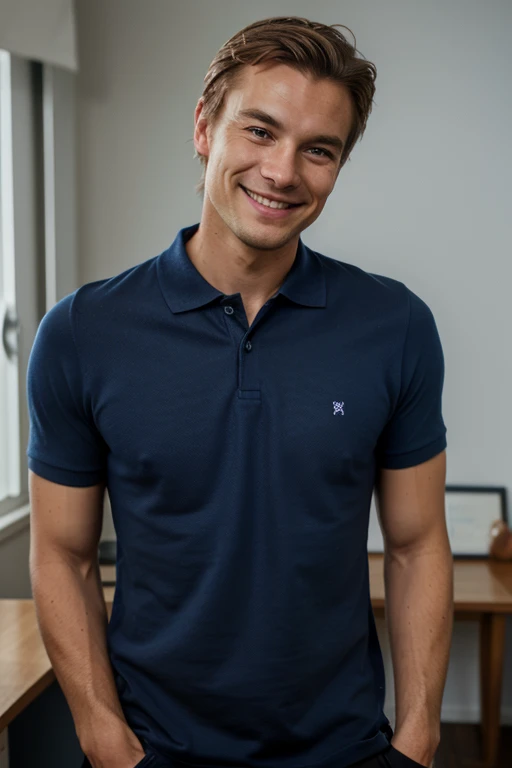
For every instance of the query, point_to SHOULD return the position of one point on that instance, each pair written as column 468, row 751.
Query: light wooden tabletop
column 25, row 669
column 479, row 585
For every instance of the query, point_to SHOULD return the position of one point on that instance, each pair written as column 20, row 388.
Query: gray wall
column 423, row 198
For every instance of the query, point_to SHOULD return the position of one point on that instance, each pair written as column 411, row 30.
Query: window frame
column 23, row 80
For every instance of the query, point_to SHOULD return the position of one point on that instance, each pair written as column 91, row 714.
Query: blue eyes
column 319, row 149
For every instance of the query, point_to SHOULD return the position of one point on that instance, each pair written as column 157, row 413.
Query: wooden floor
column 460, row 747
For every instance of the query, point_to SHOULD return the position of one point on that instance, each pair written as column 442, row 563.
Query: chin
column 262, row 241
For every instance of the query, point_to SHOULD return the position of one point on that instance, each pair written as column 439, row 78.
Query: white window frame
column 9, row 369
column 22, row 254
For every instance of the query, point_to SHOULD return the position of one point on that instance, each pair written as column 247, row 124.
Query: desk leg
column 4, row 748
column 492, row 645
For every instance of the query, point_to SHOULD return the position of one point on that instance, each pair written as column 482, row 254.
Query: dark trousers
column 371, row 762
column 388, row 758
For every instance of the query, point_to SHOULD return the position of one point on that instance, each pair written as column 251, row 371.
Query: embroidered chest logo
column 338, row 408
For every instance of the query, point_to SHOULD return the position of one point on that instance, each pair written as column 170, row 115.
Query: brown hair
column 308, row 46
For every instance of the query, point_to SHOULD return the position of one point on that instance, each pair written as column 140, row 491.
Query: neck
column 233, row 266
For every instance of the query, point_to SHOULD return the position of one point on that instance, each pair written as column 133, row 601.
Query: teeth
column 265, row 201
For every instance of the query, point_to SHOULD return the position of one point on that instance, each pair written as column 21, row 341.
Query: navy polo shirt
column 240, row 464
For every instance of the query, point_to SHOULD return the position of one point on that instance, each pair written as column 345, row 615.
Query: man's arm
column 418, row 577
column 71, row 612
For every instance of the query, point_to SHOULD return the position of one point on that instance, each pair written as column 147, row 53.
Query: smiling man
column 241, row 397
column 273, row 157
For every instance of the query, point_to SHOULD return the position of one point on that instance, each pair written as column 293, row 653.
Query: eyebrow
column 264, row 117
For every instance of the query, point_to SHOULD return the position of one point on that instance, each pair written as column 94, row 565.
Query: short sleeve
column 416, row 431
column 64, row 445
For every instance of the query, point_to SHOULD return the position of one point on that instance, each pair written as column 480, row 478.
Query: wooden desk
column 483, row 591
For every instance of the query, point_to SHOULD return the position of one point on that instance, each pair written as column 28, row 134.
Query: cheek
column 322, row 187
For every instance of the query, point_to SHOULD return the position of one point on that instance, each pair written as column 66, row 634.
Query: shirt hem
column 78, row 479
column 342, row 759
column 411, row 459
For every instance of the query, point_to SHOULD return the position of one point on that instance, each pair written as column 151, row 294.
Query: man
column 241, row 396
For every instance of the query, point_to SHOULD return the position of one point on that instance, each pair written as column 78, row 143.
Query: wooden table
column 482, row 591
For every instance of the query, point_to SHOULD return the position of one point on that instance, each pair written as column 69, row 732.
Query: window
column 9, row 368
column 21, row 251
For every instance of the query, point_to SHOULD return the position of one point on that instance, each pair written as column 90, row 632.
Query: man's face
column 286, row 160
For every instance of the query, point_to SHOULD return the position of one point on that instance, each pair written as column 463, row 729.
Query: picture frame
column 470, row 512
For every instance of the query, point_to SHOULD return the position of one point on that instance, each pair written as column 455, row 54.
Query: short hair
column 311, row 48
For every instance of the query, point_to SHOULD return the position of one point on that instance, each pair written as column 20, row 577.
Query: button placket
column 248, row 377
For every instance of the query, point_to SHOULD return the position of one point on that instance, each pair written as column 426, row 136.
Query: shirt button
column 248, row 346
column 228, row 310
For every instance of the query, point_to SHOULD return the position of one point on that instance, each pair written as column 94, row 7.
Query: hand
column 114, row 748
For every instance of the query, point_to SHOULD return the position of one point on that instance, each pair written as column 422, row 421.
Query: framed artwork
column 470, row 512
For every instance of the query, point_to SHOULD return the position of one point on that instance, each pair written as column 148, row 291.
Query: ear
column 200, row 131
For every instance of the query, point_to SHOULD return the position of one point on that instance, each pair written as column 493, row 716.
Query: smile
column 269, row 203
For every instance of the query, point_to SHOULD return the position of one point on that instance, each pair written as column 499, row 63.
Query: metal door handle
column 10, row 332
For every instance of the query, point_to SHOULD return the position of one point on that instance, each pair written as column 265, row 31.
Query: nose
column 279, row 167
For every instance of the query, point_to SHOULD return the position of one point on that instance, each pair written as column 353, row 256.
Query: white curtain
column 43, row 30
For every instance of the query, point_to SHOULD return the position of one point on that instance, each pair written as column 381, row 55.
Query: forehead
column 290, row 95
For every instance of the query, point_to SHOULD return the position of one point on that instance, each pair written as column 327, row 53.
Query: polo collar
column 185, row 288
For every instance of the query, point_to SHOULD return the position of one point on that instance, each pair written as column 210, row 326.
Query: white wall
column 423, row 199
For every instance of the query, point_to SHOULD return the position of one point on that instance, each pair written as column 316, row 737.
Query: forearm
column 72, row 618
column 419, row 616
